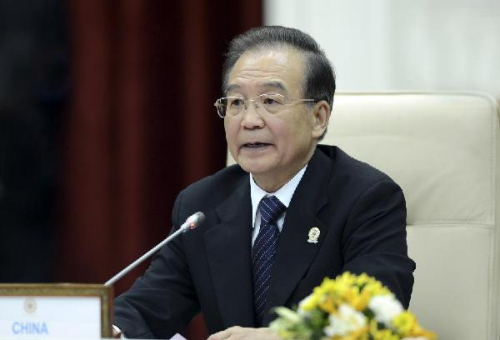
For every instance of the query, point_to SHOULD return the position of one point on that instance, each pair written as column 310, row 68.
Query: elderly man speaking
column 289, row 214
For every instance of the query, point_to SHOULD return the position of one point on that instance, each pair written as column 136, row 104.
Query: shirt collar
column 284, row 194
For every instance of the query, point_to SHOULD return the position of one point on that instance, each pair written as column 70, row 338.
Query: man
column 303, row 213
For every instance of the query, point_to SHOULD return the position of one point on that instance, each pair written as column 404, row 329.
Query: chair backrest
column 443, row 150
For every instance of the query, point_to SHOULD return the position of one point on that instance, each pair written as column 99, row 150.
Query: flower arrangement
column 349, row 307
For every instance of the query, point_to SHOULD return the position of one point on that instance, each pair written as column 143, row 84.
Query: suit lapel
column 295, row 253
column 228, row 246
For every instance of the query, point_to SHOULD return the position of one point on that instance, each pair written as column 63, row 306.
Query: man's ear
column 321, row 115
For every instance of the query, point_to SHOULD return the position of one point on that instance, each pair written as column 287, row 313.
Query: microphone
column 192, row 222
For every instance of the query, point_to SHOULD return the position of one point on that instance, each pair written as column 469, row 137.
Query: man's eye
column 272, row 100
column 235, row 102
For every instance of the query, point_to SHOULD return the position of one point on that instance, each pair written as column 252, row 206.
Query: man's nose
column 251, row 117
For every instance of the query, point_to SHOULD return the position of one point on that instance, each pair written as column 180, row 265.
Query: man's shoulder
column 218, row 185
column 348, row 168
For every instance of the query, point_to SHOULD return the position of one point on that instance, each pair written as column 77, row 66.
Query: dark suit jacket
column 360, row 212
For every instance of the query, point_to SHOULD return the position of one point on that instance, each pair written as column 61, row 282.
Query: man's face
column 273, row 147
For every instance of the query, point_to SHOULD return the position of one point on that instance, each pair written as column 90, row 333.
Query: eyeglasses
column 270, row 102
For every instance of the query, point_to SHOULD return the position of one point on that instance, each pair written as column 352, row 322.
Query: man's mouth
column 255, row 145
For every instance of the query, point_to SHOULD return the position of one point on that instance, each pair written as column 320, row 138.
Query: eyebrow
column 231, row 87
column 272, row 84
column 275, row 84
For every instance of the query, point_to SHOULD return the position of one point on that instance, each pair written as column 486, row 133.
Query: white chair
column 443, row 149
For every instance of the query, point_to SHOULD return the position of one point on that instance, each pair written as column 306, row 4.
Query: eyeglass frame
column 256, row 104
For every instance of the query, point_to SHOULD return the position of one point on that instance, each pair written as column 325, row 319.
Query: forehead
column 280, row 69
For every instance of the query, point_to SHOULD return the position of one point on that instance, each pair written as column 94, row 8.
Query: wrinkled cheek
column 231, row 143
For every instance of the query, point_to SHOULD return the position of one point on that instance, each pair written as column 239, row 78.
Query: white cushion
column 442, row 148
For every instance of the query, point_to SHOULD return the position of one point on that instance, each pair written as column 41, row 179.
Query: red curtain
column 142, row 125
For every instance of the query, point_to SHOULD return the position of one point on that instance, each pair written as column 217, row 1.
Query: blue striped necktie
column 264, row 253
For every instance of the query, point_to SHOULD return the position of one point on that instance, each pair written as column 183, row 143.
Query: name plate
column 29, row 311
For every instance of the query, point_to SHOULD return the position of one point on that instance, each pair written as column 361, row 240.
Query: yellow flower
column 309, row 303
column 361, row 334
column 328, row 305
column 376, row 288
column 361, row 300
column 420, row 332
column 361, row 295
column 384, row 334
column 405, row 323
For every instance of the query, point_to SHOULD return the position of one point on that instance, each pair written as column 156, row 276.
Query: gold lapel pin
column 313, row 235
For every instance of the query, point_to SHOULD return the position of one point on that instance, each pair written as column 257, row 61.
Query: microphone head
column 195, row 220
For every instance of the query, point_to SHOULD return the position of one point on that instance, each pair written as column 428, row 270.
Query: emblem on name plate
column 30, row 305
column 313, row 235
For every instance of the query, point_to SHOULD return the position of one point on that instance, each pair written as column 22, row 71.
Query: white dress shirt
column 284, row 194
